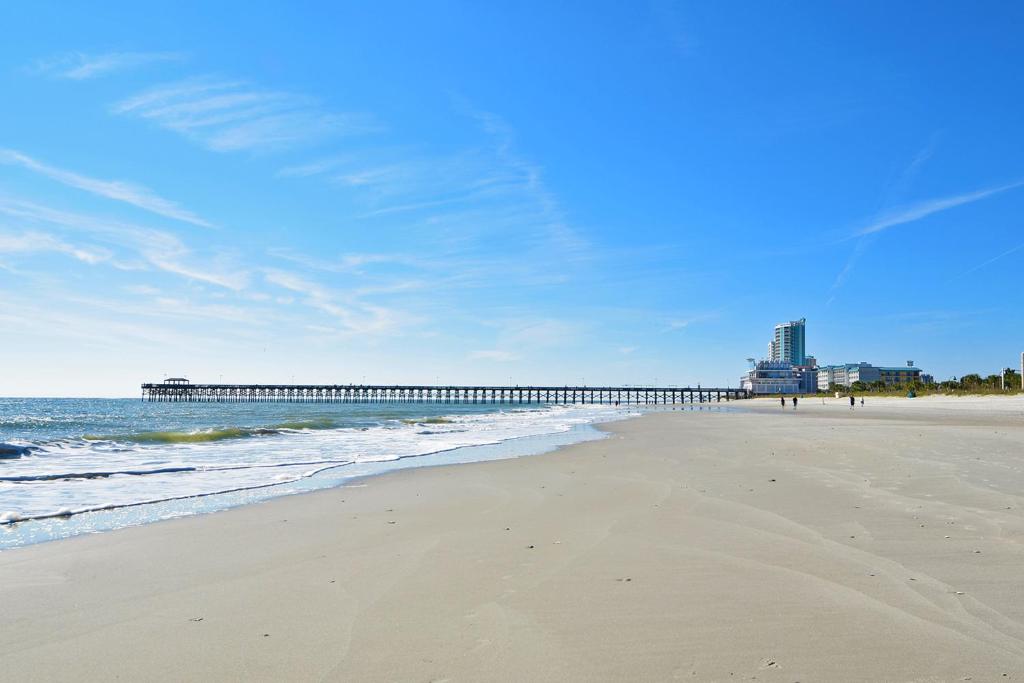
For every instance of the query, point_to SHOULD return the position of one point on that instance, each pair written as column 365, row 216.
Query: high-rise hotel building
column 788, row 345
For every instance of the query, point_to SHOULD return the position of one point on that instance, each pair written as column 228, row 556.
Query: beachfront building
column 779, row 377
column 808, row 377
column 899, row 375
column 788, row 369
column 826, row 377
column 788, row 345
column 845, row 375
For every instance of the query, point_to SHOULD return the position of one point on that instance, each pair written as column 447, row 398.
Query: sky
column 504, row 192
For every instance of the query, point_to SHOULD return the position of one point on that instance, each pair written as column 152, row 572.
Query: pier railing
column 397, row 393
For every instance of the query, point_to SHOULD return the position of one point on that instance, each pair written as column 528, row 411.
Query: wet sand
column 822, row 544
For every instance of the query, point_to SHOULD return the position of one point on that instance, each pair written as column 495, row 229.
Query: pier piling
column 180, row 391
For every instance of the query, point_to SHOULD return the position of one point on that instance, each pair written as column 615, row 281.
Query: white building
column 845, row 375
column 779, row 377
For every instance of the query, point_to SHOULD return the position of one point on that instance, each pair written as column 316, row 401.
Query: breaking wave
column 53, row 472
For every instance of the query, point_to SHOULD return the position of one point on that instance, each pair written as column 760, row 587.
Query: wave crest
column 429, row 421
column 202, row 436
column 215, row 434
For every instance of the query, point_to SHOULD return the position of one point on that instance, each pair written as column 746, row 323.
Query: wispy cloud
column 391, row 181
column 155, row 248
column 312, row 168
column 990, row 261
column 538, row 332
column 915, row 212
column 516, row 338
column 683, row 323
column 349, row 263
column 33, row 242
column 225, row 115
column 117, row 190
column 858, row 250
column 157, row 305
column 83, row 324
column 80, row 66
column 353, row 315
column 528, row 180
column 464, row 194
column 908, row 213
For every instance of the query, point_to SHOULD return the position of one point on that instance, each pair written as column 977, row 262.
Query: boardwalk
column 182, row 391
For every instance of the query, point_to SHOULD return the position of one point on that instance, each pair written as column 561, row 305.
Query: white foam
column 10, row 517
column 174, row 471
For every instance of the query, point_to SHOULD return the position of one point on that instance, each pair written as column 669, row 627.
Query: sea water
column 73, row 466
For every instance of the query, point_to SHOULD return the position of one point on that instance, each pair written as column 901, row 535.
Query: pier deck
column 180, row 391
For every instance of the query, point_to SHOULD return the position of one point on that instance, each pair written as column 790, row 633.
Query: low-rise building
column 779, row 377
column 898, row 375
column 826, row 377
column 845, row 375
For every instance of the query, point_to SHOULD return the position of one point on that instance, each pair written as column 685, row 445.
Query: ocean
column 71, row 466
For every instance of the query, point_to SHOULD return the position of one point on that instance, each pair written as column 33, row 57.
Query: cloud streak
column 683, row 323
column 916, row 212
column 230, row 116
column 156, row 248
column 79, row 66
column 117, row 190
column 990, row 261
column 909, row 214
column 34, row 242
column 461, row 195
column 354, row 316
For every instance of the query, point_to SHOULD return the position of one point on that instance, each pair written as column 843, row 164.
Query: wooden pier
column 179, row 390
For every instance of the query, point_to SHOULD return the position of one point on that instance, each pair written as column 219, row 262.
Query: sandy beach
column 821, row 544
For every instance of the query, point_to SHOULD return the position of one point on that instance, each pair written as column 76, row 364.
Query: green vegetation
column 968, row 384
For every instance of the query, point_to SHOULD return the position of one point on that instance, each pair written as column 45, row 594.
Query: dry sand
column 821, row 544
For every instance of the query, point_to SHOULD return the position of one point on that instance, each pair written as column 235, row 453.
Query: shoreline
column 810, row 545
column 32, row 530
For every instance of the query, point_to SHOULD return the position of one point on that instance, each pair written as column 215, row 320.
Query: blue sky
column 494, row 192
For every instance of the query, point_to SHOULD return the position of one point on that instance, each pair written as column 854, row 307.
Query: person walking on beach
column 783, row 399
column 861, row 401
column 794, row 403
column 852, row 400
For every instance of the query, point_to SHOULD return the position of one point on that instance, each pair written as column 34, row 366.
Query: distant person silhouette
column 861, row 401
column 783, row 399
column 852, row 400
column 794, row 403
